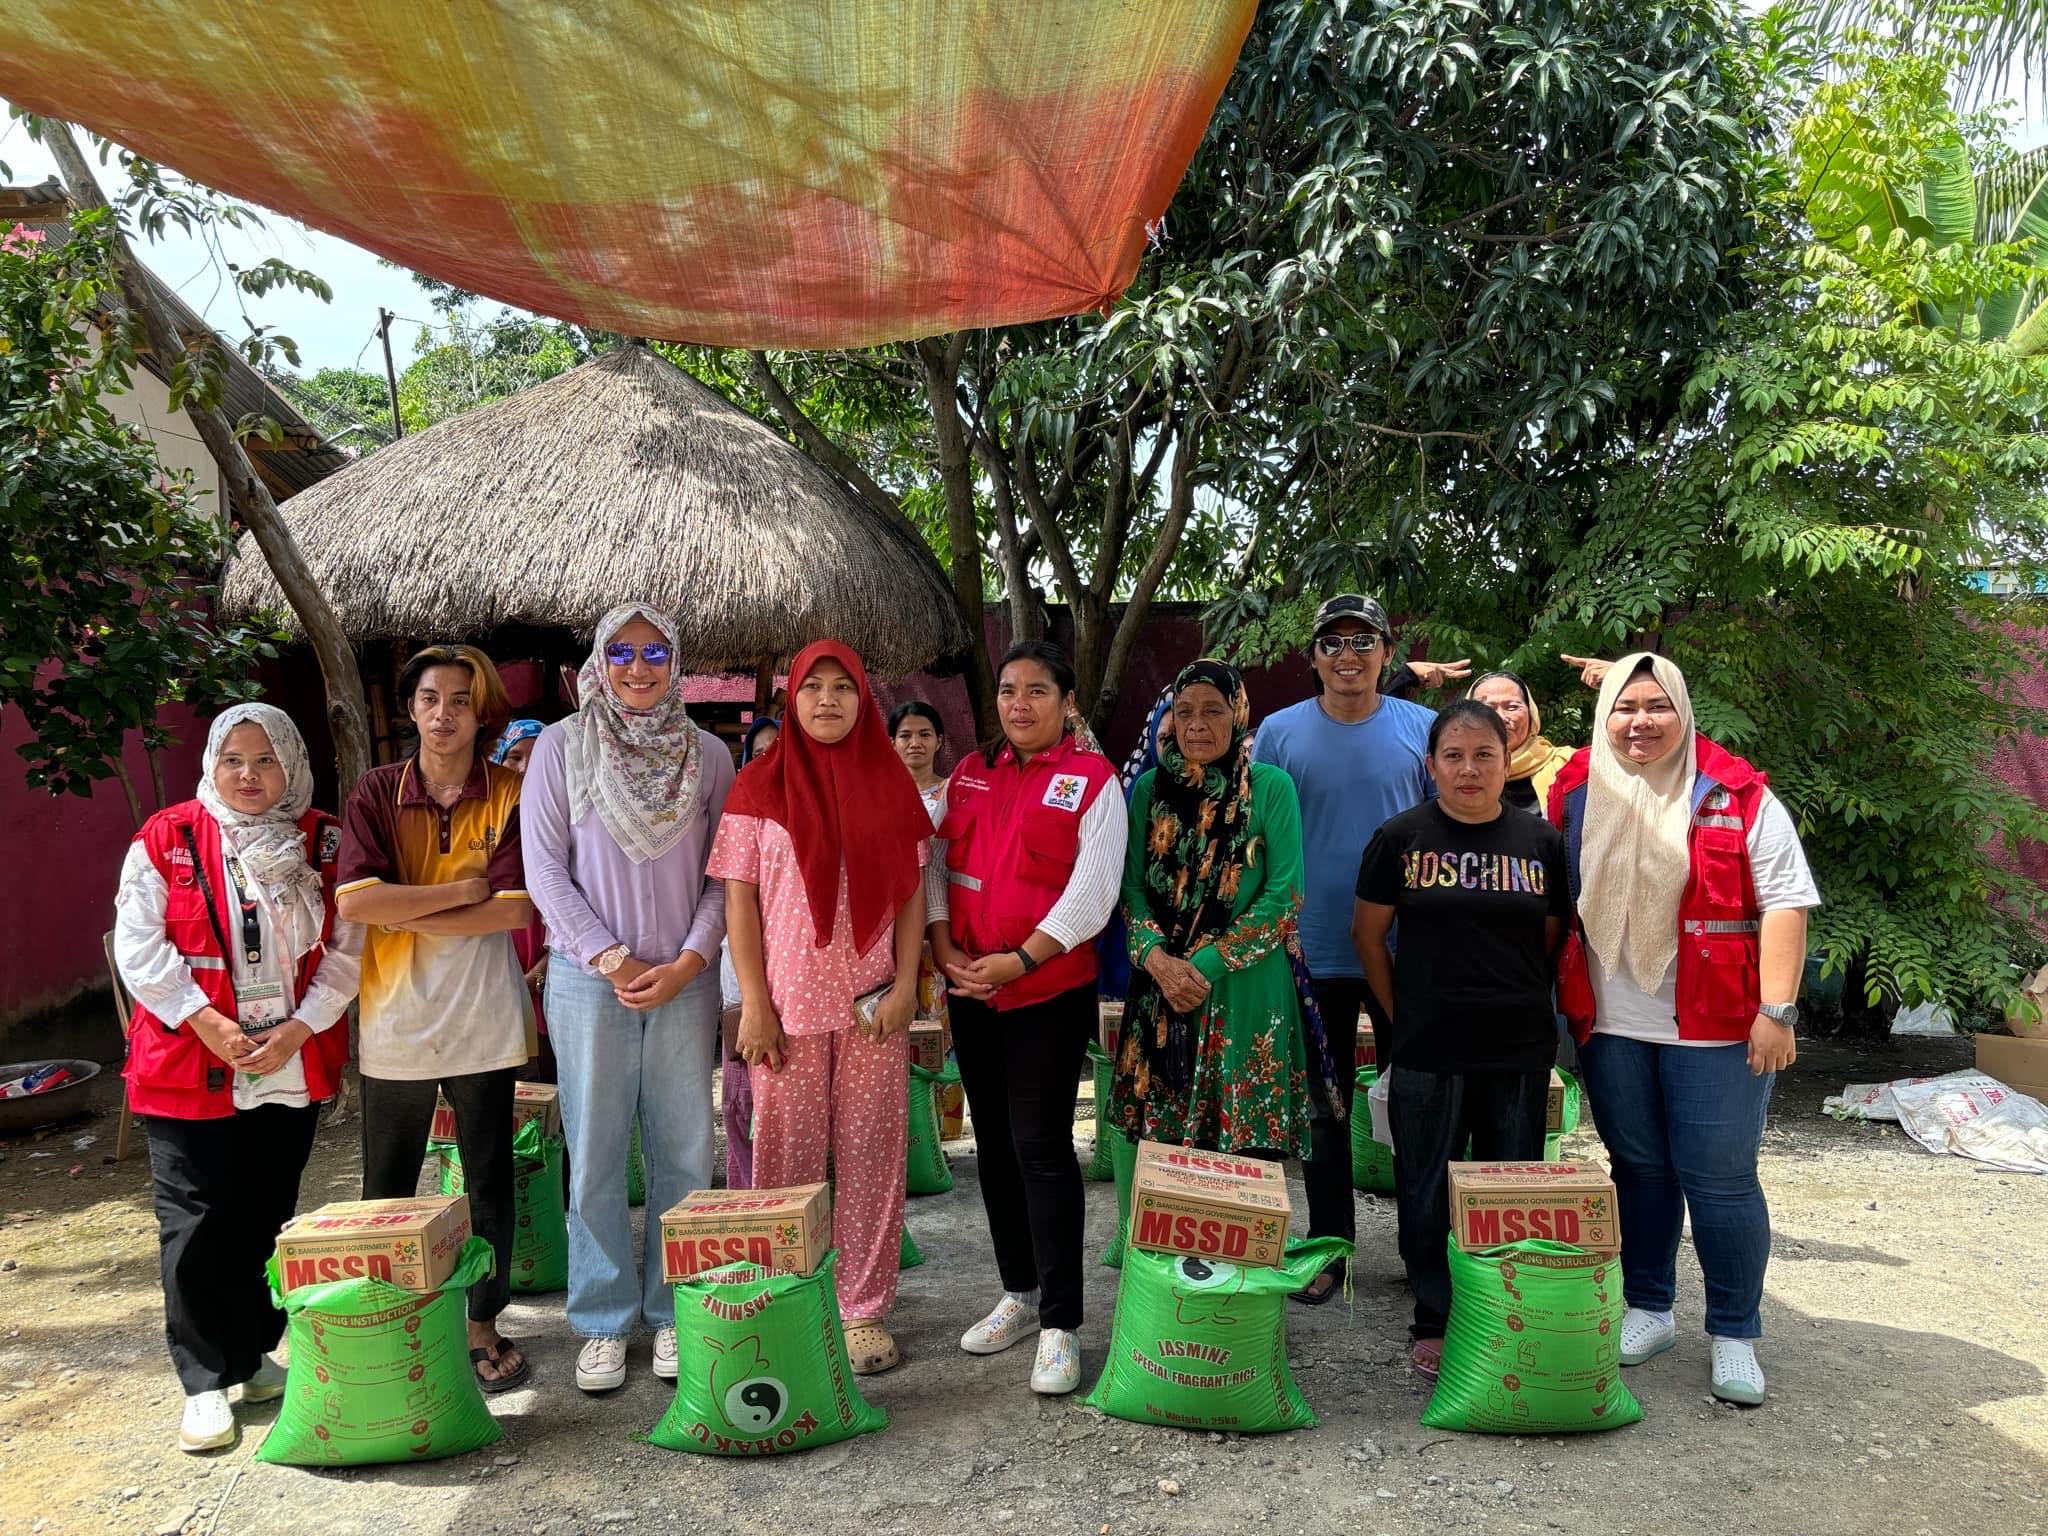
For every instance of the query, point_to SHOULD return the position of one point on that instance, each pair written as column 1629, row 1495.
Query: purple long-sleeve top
column 593, row 896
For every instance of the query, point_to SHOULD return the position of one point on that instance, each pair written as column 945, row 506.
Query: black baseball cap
column 1351, row 605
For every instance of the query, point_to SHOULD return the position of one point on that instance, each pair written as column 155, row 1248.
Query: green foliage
column 478, row 362
column 103, row 595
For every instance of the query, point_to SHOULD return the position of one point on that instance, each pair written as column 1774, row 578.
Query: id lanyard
column 262, row 1005
column 252, row 923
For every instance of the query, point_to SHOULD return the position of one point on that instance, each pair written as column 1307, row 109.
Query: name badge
column 261, row 1006
column 1065, row 791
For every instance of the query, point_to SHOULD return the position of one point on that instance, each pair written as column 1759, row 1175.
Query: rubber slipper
column 1333, row 1272
column 1427, row 1356
column 502, row 1383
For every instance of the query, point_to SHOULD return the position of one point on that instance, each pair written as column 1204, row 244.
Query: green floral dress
column 1251, row 1082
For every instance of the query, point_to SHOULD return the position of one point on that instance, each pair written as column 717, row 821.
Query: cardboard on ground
column 1215, row 1204
column 413, row 1244
column 781, row 1229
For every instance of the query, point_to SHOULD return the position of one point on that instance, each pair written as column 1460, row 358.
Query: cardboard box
column 1109, row 1020
column 928, row 1044
column 1216, row 1204
column 2022, row 1065
column 784, row 1229
column 1553, row 1105
column 1496, row 1203
column 530, row 1101
column 413, row 1244
column 1368, row 1052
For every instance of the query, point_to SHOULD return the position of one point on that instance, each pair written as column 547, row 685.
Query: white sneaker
column 665, row 1353
column 601, row 1365
column 1058, row 1366
column 1644, row 1336
column 1010, row 1323
column 1738, row 1378
column 209, row 1422
column 266, row 1386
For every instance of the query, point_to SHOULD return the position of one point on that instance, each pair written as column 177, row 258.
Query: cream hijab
column 270, row 847
column 1633, row 854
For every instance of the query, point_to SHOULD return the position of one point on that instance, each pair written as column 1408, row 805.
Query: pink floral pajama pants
column 843, row 1094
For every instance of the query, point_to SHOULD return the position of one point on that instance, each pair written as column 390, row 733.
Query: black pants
column 1021, row 1068
column 223, row 1188
column 1327, row 1173
column 396, row 1118
column 1433, row 1115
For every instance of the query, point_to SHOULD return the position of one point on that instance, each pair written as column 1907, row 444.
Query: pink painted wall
column 66, row 853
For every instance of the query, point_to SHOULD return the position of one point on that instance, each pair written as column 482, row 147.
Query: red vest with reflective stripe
column 170, row 1071
column 1012, row 836
column 1719, row 985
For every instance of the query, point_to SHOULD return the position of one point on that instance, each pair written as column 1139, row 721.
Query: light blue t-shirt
column 1350, row 778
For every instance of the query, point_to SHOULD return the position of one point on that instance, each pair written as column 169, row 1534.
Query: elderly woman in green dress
column 1213, row 1052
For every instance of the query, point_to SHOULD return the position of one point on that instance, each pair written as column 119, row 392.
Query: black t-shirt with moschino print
column 1472, row 971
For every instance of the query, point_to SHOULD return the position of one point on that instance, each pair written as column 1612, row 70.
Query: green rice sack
column 379, row 1374
column 636, row 1170
column 924, row 1159
column 761, row 1365
column 1123, row 1157
column 540, row 1230
column 1574, row 1100
column 908, row 1254
column 1532, row 1348
column 1372, row 1162
column 1202, row 1344
column 1101, row 1164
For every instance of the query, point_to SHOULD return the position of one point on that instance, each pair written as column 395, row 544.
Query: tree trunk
column 1179, row 503
column 347, row 713
column 941, row 364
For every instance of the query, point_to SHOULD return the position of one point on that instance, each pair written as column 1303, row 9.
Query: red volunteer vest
column 170, row 1071
column 1013, row 834
column 1719, row 986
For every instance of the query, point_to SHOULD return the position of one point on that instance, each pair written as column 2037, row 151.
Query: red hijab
column 852, row 803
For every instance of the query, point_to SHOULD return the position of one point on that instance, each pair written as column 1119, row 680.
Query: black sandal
column 499, row 1383
column 1333, row 1272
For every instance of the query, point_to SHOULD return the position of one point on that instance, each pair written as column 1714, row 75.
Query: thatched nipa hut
column 621, row 479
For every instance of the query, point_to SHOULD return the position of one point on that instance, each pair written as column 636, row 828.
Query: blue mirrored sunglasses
column 620, row 653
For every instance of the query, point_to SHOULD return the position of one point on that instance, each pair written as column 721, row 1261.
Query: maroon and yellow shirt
column 437, row 1005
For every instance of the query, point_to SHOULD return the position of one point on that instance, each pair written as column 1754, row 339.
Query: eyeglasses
column 620, row 653
column 1364, row 643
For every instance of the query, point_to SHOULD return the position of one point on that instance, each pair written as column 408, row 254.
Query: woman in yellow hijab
column 1532, row 761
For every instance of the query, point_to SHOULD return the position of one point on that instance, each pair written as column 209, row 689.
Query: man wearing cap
column 1356, row 758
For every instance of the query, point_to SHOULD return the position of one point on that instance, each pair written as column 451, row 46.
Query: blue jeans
column 615, row 1065
column 1682, row 1124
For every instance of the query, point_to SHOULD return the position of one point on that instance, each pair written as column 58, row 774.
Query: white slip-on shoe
column 1738, row 1378
column 1058, row 1367
column 601, row 1365
column 1010, row 1323
column 266, row 1386
column 1644, row 1336
column 209, row 1423
column 665, row 1353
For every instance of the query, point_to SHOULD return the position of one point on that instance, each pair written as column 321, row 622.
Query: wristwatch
column 611, row 959
column 1024, row 959
column 1786, row 1014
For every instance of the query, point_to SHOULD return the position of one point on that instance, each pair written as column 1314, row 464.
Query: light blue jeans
column 615, row 1064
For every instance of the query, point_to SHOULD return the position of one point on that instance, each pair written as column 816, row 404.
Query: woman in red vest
column 1024, row 874
column 1680, row 987
column 225, row 936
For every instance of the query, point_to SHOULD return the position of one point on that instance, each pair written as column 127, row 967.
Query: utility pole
column 384, row 319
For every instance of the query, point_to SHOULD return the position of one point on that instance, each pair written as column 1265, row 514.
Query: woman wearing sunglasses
column 621, row 802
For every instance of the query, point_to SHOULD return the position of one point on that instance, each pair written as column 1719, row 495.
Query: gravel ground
column 1907, row 1340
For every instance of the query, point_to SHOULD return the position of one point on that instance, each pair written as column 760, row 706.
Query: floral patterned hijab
column 641, row 768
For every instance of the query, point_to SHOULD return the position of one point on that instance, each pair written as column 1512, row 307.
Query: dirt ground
column 1907, row 1340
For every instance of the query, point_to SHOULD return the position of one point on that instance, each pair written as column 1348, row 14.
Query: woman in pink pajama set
column 820, row 848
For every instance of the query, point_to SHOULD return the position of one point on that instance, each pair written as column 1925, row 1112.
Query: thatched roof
column 624, row 479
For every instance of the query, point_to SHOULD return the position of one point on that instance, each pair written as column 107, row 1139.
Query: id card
column 261, row 1006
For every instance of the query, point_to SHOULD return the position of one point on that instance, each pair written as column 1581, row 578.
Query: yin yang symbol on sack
column 1205, row 1274
column 757, row 1404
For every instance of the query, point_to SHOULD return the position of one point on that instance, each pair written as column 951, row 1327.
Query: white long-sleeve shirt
column 158, row 977
column 1083, row 908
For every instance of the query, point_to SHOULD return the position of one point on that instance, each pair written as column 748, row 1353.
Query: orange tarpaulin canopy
column 768, row 173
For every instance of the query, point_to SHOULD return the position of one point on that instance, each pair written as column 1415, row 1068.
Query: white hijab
column 1633, row 855
column 269, row 847
column 641, row 768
